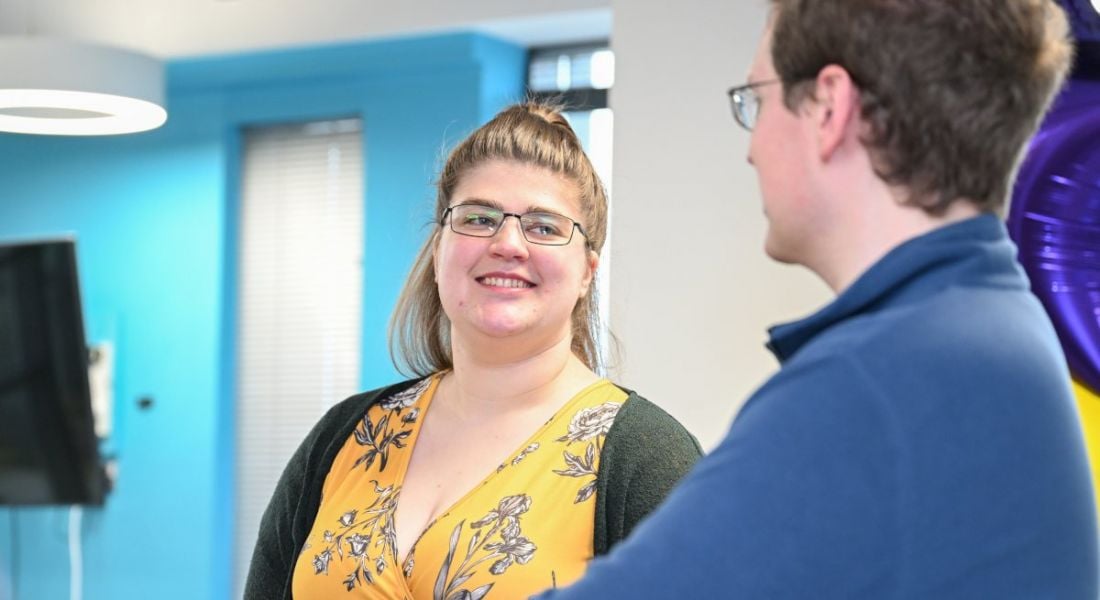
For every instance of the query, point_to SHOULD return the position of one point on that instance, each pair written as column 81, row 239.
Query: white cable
column 76, row 559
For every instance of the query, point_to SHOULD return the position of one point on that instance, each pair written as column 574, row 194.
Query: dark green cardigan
column 645, row 453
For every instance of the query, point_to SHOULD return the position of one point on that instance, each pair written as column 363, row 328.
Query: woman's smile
column 504, row 281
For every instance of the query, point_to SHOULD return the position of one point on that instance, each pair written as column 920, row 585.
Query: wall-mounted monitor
column 48, row 449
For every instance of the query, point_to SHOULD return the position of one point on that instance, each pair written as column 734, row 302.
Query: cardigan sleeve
column 644, row 456
column 290, row 513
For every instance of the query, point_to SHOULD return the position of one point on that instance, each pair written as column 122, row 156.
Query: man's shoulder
column 956, row 327
column 976, row 347
column 813, row 389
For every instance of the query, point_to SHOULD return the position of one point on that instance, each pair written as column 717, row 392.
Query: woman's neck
column 481, row 384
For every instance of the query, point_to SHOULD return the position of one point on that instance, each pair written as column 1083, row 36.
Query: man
column 920, row 439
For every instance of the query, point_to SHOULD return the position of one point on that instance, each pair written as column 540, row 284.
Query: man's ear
column 836, row 108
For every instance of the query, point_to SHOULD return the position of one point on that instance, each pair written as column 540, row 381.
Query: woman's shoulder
column 641, row 420
column 352, row 408
column 646, row 453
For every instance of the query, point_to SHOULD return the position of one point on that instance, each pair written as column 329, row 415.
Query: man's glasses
column 745, row 102
column 543, row 228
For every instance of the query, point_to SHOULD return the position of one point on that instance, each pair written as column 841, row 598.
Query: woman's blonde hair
column 531, row 133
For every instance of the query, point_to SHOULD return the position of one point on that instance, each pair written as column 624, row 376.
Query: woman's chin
column 504, row 328
column 507, row 326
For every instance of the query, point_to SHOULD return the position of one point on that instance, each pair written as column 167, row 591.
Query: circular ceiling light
column 56, row 87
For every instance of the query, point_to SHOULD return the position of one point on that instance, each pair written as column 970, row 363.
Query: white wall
column 692, row 292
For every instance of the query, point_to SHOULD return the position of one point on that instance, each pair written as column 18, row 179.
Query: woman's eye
column 545, row 226
column 480, row 220
column 543, row 229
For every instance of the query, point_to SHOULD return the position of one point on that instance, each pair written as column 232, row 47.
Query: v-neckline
column 538, row 433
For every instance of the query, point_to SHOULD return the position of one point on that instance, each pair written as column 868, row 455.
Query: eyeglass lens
column 537, row 227
column 747, row 106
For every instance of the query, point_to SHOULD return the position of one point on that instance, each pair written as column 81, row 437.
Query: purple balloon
column 1085, row 17
column 1055, row 221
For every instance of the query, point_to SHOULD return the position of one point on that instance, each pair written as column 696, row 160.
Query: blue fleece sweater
column 919, row 441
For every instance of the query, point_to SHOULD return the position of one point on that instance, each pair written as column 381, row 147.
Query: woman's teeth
column 505, row 282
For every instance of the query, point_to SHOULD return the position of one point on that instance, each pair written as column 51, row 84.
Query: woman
column 508, row 462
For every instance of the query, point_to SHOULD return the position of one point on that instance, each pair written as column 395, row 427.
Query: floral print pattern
column 364, row 539
column 591, row 423
column 511, row 542
column 406, row 398
column 510, row 548
column 522, row 455
column 519, row 457
column 588, row 425
column 351, row 542
column 379, row 437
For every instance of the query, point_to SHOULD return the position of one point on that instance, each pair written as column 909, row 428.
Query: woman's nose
column 508, row 241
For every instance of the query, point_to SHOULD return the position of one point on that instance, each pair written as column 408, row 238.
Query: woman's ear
column 593, row 262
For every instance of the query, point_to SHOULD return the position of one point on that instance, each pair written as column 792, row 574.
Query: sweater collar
column 975, row 251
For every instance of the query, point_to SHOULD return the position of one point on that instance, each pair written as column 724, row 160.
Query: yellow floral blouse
column 526, row 527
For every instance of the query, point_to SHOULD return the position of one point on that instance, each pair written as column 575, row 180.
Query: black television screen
column 48, row 448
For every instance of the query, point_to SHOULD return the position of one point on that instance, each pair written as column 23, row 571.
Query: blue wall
column 156, row 218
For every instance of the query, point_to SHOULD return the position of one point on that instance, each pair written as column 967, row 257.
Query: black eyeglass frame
column 504, row 217
column 736, row 96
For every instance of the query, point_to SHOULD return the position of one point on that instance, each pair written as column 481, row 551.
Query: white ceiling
column 178, row 28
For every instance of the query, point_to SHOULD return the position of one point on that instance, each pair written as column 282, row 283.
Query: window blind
column 300, row 299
